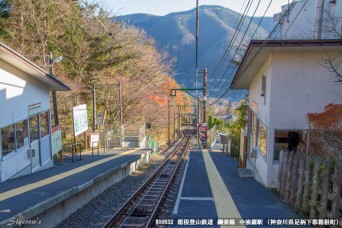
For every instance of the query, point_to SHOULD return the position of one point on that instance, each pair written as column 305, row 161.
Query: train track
column 142, row 208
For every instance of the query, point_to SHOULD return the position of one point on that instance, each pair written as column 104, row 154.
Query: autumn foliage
column 181, row 99
column 98, row 52
column 325, row 133
column 331, row 118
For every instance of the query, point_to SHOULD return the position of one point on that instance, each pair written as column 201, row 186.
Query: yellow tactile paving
column 23, row 189
column 225, row 206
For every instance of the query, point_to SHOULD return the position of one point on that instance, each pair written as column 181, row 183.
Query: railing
column 310, row 184
column 74, row 148
column 152, row 144
column 98, row 148
column 212, row 135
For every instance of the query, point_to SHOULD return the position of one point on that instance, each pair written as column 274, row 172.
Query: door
column 34, row 142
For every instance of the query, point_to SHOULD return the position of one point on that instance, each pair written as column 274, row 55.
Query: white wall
column 17, row 91
column 263, row 111
column 255, row 91
column 303, row 26
column 300, row 85
column 296, row 84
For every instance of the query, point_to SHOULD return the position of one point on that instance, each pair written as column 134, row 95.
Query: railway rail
column 142, row 208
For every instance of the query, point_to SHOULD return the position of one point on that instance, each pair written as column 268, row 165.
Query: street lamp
column 54, row 100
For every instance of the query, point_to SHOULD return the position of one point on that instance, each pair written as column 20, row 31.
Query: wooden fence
column 312, row 185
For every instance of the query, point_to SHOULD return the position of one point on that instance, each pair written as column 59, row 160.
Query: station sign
column 56, row 138
column 204, row 137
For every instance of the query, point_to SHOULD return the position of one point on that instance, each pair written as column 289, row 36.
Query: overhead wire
column 110, row 34
column 287, row 12
column 231, row 42
column 238, row 48
column 232, row 59
column 236, row 28
column 295, row 18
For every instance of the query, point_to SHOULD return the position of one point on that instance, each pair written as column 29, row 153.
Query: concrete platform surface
column 211, row 189
column 26, row 193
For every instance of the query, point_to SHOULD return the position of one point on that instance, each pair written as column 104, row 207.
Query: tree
column 333, row 29
column 96, row 51
column 235, row 127
column 325, row 133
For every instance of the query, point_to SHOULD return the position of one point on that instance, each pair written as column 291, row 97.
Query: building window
column 290, row 140
column 7, row 140
column 21, row 133
column 263, row 88
column 280, row 143
column 44, row 124
column 254, row 127
column 262, row 138
column 34, row 133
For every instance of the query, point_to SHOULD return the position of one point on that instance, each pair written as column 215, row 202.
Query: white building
column 24, row 115
column 311, row 19
column 286, row 81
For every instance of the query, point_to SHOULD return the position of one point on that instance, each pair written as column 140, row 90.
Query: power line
column 72, row 20
column 262, row 46
column 294, row 19
column 242, row 39
column 240, row 44
column 236, row 26
column 232, row 40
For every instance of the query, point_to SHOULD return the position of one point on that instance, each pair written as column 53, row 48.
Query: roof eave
column 236, row 84
column 17, row 60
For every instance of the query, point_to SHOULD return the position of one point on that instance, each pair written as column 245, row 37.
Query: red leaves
column 331, row 118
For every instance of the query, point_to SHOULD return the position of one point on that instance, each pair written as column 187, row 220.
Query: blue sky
column 163, row 7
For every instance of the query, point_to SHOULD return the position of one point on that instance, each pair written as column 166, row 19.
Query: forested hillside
column 95, row 51
column 175, row 33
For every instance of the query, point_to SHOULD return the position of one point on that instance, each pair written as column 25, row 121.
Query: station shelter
column 25, row 123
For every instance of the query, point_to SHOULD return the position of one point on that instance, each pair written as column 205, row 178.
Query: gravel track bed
column 101, row 208
column 170, row 202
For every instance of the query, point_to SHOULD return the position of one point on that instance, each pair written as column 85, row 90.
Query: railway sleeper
column 140, row 211
column 133, row 225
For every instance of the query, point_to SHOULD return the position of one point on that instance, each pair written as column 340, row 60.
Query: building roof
column 258, row 52
column 15, row 59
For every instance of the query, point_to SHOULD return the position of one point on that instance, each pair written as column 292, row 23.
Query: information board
column 80, row 119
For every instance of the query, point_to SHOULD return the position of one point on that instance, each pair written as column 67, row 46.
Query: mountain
column 175, row 33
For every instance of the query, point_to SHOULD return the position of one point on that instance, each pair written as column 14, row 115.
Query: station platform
column 212, row 194
column 65, row 187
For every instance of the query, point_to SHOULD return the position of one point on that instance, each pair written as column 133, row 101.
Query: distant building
column 25, row 125
column 311, row 19
column 286, row 81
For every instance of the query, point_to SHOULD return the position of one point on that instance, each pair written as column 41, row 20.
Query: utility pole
column 174, row 122
column 205, row 95
column 54, row 99
column 197, row 33
column 179, row 122
column 168, row 122
column 94, row 108
column 204, row 128
column 120, row 103
column 198, row 120
column 121, row 117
